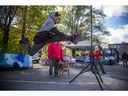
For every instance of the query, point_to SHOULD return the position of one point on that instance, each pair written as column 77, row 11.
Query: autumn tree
column 7, row 14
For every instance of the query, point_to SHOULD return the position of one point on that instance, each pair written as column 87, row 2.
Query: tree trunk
column 8, row 15
column 24, row 21
column 5, row 38
column 73, row 53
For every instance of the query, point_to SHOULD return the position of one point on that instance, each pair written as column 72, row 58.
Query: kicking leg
column 35, row 48
column 60, row 36
column 39, row 41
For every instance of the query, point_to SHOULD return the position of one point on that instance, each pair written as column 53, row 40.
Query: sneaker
column 103, row 72
column 56, row 76
column 36, row 57
column 25, row 43
column 51, row 76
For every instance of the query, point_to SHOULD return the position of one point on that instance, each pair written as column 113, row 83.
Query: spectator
column 97, row 53
column 110, row 55
column 117, row 56
column 125, row 59
column 55, row 55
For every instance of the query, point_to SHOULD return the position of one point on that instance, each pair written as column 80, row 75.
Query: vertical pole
column 96, row 73
column 91, row 27
column 91, row 37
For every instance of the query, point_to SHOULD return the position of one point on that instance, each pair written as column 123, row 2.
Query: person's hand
column 75, row 37
column 52, row 33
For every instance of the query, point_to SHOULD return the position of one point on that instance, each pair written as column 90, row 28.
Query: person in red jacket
column 55, row 55
column 97, row 53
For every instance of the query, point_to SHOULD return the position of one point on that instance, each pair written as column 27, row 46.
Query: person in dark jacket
column 125, row 59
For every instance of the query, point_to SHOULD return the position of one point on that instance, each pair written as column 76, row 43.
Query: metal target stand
column 92, row 66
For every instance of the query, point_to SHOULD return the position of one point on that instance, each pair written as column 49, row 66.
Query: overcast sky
column 116, row 22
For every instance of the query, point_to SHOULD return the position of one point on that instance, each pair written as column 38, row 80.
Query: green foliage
column 73, row 19
column 35, row 16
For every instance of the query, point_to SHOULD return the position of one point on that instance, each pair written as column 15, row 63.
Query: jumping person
column 49, row 33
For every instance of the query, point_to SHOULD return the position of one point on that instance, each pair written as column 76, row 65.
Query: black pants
column 125, row 63
column 53, row 67
column 101, row 67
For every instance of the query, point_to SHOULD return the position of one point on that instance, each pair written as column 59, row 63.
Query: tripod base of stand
column 93, row 68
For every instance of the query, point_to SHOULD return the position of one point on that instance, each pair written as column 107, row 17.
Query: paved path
column 38, row 79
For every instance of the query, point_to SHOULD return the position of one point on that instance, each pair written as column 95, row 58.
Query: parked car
column 36, row 58
column 69, row 59
column 15, row 61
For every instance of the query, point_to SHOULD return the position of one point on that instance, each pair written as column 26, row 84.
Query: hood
column 51, row 15
column 49, row 23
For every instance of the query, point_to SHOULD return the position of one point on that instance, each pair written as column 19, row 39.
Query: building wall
column 123, row 47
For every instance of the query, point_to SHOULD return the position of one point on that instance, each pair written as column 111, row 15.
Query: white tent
column 81, row 45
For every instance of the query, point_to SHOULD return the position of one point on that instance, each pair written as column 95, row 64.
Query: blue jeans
column 98, row 62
